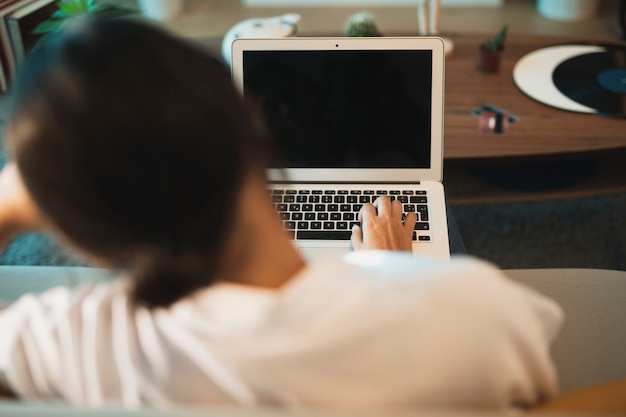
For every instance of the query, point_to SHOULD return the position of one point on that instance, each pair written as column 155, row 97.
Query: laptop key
column 309, row 216
column 423, row 211
column 324, row 235
column 342, row 225
column 303, row 225
column 335, row 216
column 419, row 199
column 307, row 207
column 421, row 226
column 320, row 207
column 296, row 216
column 290, row 225
column 316, row 225
column 322, row 216
column 329, row 225
column 294, row 207
column 284, row 215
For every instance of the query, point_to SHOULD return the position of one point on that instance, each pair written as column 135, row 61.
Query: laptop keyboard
column 330, row 214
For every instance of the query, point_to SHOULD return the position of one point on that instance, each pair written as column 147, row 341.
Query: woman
column 134, row 148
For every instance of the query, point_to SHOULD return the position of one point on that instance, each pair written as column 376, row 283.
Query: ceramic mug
column 567, row 10
column 162, row 10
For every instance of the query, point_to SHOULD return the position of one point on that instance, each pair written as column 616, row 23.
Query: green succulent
column 497, row 43
column 361, row 24
column 71, row 9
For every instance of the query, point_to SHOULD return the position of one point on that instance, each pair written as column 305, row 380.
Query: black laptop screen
column 345, row 108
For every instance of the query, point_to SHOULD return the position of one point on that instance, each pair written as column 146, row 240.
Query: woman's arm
column 18, row 212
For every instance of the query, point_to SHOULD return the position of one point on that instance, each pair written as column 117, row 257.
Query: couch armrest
column 17, row 280
column 591, row 348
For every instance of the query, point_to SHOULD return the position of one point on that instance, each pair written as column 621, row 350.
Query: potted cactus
column 361, row 24
column 491, row 51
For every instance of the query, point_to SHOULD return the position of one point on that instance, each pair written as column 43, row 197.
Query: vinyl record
column 581, row 78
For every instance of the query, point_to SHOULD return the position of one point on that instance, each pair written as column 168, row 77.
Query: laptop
column 354, row 119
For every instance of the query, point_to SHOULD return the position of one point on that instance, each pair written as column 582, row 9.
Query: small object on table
column 491, row 51
column 362, row 24
column 265, row 27
column 493, row 120
column 428, row 12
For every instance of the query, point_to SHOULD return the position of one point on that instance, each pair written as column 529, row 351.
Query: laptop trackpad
column 311, row 254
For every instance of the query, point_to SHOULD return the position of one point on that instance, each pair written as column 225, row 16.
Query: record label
column 613, row 80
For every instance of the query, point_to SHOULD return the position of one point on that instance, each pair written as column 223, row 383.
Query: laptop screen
column 345, row 108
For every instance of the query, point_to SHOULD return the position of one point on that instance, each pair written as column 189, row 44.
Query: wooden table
column 548, row 154
column 540, row 131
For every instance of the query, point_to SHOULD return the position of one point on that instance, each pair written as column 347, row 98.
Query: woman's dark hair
column 135, row 144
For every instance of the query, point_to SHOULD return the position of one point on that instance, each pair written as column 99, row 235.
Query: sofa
column 590, row 350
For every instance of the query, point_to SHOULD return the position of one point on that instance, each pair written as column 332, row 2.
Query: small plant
column 361, row 24
column 497, row 43
column 71, row 9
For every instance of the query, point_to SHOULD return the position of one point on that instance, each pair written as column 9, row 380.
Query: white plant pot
column 567, row 10
column 162, row 10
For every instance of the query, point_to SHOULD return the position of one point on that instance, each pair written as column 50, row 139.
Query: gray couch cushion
column 591, row 347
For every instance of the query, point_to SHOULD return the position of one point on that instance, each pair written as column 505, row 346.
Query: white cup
column 567, row 10
column 162, row 10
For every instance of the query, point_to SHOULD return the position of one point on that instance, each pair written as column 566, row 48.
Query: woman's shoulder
column 388, row 266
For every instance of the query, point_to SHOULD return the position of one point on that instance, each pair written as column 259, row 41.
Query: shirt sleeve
column 487, row 340
column 94, row 346
column 77, row 345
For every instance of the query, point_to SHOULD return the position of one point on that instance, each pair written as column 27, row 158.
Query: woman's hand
column 18, row 212
column 382, row 227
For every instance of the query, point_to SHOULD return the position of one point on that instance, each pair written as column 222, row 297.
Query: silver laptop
column 354, row 118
